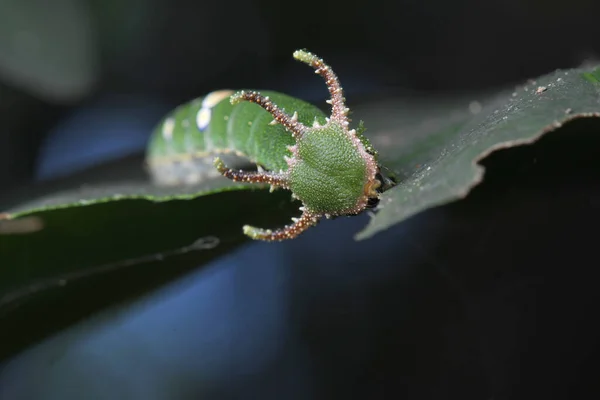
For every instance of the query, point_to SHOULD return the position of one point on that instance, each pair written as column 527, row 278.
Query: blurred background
column 407, row 314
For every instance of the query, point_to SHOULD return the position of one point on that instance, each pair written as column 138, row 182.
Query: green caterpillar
column 332, row 169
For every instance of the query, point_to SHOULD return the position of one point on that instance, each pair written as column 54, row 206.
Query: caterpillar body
column 183, row 145
column 332, row 169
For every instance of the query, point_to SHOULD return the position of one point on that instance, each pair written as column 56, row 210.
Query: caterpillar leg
column 290, row 123
column 274, row 179
column 301, row 224
column 339, row 111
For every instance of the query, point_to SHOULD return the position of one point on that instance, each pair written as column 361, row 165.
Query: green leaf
column 436, row 147
column 77, row 251
column 76, row 233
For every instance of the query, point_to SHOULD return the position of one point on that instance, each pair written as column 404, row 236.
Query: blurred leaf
column 47, row 50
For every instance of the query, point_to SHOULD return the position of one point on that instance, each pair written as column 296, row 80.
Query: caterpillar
column 332, row 169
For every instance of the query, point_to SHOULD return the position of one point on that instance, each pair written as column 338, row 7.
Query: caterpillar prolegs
column 332, row 169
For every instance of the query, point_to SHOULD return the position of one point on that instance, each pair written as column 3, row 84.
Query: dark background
column 492, row 297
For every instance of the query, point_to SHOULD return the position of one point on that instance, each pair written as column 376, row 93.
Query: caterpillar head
column 332, row 169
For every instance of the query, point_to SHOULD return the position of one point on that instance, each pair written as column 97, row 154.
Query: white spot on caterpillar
column 203, row 118
column 168, row 128
column 204, row 113
column 214, row 98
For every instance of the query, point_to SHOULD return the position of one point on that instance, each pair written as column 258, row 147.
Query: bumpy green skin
column 185, row 156
column 329, row 175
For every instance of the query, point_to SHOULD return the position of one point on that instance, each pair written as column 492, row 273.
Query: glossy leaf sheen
column 436, row 150
column 99, row 251
column 89, row 228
